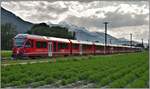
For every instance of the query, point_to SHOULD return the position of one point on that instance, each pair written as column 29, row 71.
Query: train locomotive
column 26, row 45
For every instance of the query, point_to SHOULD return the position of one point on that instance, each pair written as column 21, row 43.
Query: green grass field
column 6, row 53
column 130, row 70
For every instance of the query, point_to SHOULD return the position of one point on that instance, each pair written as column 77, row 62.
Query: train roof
column 99, row 44
column 122, row 46
column 30, row 36
column 75, row 41
column 58, row 39
column 86, row 42
column 41, row 37
column 21, row 36
column 115, row 45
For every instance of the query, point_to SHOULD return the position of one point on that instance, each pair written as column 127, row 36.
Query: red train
column 25, row 45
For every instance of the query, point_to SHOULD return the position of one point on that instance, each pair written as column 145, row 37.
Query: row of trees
column 8, row 31
column 54, row 31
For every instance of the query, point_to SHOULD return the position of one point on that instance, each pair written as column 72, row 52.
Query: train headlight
column 17, row 51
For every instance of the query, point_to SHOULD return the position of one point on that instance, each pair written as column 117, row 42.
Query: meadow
column 6, row 53
column 129, row 70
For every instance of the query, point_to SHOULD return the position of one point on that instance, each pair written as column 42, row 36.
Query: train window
column 75, row 46
column 19, row 42
column 54, row 44
column 62, row 45
column 44, row 44
column 99, row 47
column 41, row 44
column 59, row 45
column 85, row 46
column 89, row 46
column 29, row 44
column 38, row 44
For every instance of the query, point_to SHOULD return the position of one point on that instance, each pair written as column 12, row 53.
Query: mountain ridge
column 9, row 17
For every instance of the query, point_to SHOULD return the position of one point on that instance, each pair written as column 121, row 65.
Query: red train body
column 25, row 45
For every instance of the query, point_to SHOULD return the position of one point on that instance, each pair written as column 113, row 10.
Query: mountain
column 8, row 17
column 123, row 39
column 81, row 32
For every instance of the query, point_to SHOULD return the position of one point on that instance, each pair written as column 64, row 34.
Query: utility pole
column 148, row 44
column 131, row 39
column 142, row 43
column 105, row 23
column 110, row 41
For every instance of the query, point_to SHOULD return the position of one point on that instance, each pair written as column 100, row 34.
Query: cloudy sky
column 124, row 17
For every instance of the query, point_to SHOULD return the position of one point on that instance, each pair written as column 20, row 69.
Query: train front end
column 18, row 45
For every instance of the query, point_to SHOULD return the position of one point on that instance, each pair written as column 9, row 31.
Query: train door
column 80, row 49
column 112, row 49
column 49, row 49
column 104, row 52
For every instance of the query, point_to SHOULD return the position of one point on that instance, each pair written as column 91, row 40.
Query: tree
column 8, row 31
column 54, row 31
column 39, row 29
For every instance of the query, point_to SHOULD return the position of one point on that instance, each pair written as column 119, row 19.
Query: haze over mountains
column 81, row 33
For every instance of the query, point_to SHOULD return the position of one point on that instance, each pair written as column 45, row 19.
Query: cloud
column 86, row 13
column 121, row 20
column 138, row 32
column 56, row 10
column 59, row 10
column 95, row 10
column 55, row 7
column 85, row 21
column 116, row 20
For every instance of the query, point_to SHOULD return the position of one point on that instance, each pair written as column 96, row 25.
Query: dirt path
column 23, row 63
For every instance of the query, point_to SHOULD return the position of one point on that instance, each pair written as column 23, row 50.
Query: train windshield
column 19, row 42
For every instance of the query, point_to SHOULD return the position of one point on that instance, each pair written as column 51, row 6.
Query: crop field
column 129, row 70
column 6, row 53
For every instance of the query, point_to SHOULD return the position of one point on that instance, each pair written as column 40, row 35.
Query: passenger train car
column 25, row 45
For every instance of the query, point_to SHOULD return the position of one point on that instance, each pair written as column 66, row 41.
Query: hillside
column 8, row 17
